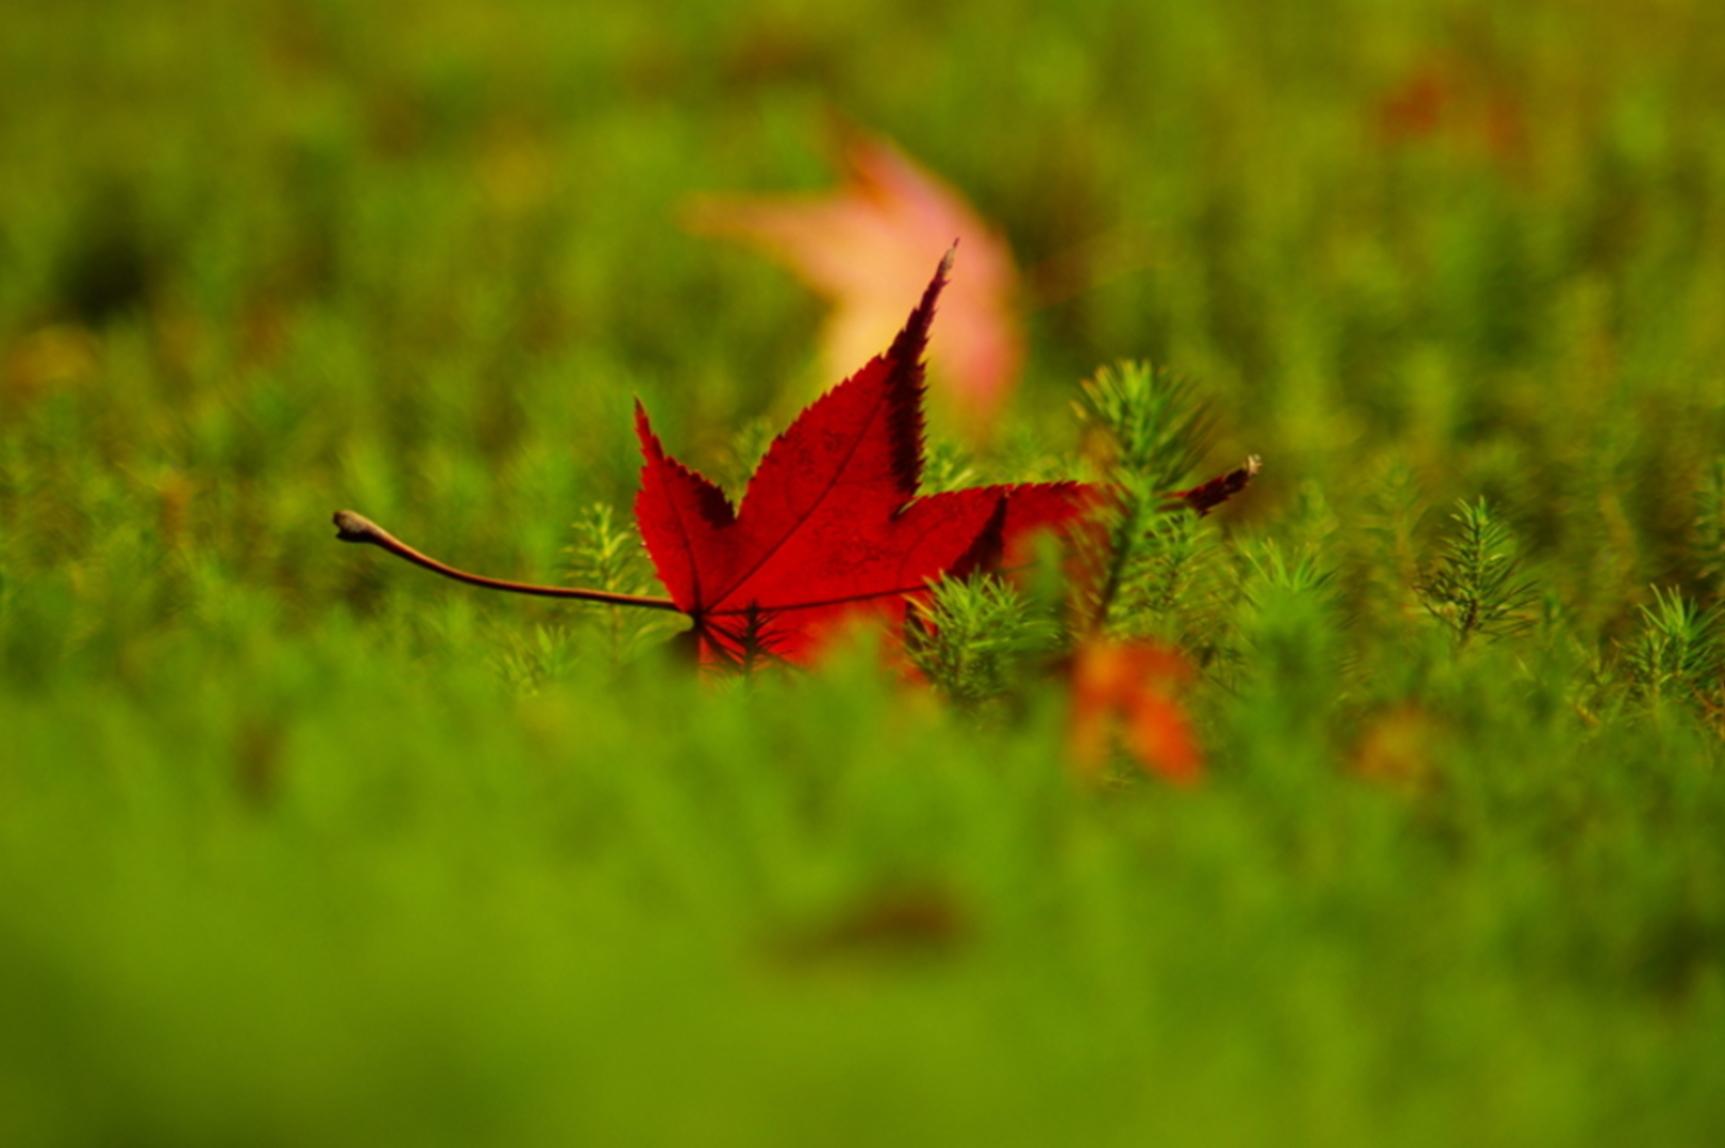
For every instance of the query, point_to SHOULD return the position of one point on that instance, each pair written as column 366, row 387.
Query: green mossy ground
column 299, row 845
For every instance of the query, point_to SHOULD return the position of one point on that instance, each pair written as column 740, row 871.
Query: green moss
column 298, row 846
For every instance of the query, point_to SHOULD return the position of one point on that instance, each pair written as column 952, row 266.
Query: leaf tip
column 644, row 432
column 1207, row 496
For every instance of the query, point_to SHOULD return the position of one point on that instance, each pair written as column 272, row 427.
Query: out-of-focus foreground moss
column 298, row 846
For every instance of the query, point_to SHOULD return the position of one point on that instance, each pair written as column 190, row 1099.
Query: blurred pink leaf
column 867, row 246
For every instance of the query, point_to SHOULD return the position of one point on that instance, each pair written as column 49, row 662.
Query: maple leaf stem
column 351, row 527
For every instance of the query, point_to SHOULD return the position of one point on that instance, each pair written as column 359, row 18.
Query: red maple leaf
column 830, row 527
column 831, row 524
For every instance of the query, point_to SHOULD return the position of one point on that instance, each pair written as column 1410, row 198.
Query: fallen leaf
column 866, row 245
column 830, row 526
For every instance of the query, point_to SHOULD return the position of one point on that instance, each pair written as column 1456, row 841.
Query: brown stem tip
column 351, row 527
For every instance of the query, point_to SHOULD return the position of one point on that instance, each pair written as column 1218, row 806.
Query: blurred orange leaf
column 1133, row 685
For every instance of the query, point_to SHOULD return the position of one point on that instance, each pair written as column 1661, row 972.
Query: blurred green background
column 300, row 846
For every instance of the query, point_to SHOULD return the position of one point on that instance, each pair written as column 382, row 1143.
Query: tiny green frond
column 531, row 660
column 1478, row 586
column 1678, row 650
column 1152, row 430
column 607, row 556
column 1270, row 571
column 1156, row 426
column 971, row 636
column 948, row 467
column 1176, row 585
